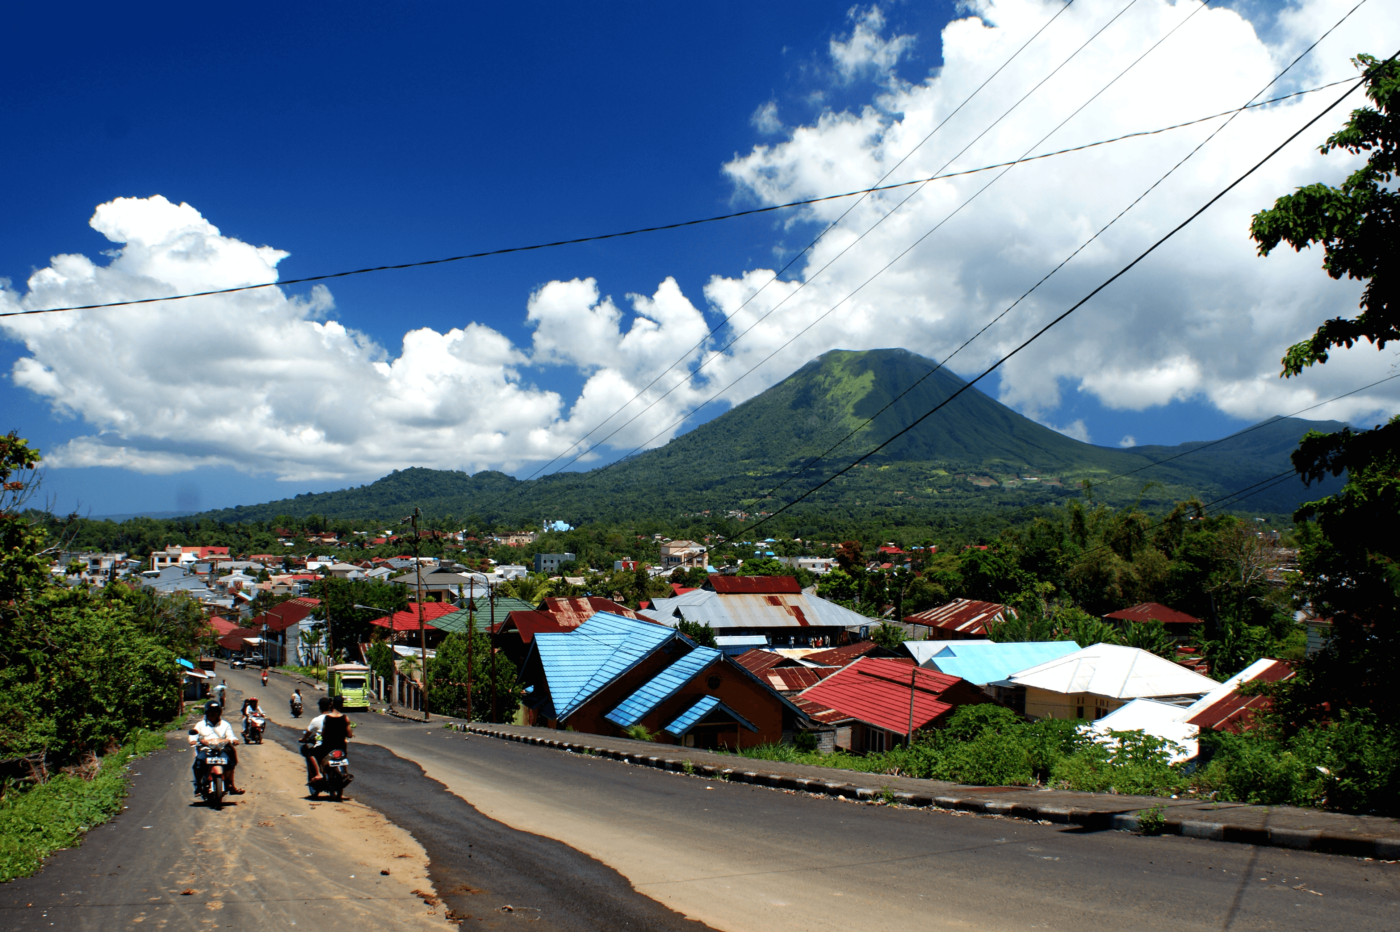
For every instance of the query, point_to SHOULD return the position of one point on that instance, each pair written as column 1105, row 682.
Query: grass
column 48, row 817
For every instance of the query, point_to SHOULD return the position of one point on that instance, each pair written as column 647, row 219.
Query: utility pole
column 471, row 638
column 422, row 631
column 491, row 597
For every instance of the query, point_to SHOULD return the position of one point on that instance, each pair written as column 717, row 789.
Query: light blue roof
column 983, row 662
column 692, row 716
column 662, row 686
column 580, row 662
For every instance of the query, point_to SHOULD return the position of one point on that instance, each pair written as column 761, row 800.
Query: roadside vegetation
column 53, row 814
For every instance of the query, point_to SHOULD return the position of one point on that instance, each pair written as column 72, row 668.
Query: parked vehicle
column 211, row 777
column 335, row 767
column 237, row 663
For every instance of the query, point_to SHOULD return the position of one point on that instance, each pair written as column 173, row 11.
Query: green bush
column 1135, row 763
column 38, row 821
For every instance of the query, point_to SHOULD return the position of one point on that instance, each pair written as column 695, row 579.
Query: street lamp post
column 422, row 631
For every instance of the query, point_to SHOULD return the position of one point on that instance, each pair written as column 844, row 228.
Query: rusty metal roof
column 528, row 624
column 965, row 616
column 1233, row 711
column 572, row 612
column 756, row 611
column 795, row 679
column 840, row 656
column 754, row 584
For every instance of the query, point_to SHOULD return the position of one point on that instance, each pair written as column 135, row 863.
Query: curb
column 1361, row 846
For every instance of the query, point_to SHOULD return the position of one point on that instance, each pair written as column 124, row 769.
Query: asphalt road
column 748, row 858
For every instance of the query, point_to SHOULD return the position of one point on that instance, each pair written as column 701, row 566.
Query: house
column 1224, row 708
column 787, row 675
column 176, row 555
column 280, row 627
column 1179, row 625
column 818, row 565
column 1092, row 682
column 988, row 664
column 517, row 632
column 959, row 620
column 550, row 562
column 684, row 553
column 878, row 702
column 773, row 606
column 442, row 584
column 404, row 625
column 485, row 613
column 611, row 673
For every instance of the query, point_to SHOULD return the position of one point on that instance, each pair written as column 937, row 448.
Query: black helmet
column 212, row 706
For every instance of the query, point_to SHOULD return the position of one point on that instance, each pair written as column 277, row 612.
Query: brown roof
column 234, row 639
column 881, row 692
column 528, row 624
column 795, row 679
column 840, row 656
column 1151, row 611
column 965, row 616
column 755, row 585
column 757, row 661
column 570, row 613
column 1234, row 712
column 818, row 712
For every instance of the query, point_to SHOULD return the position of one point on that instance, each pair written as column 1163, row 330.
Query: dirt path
column 270, row 859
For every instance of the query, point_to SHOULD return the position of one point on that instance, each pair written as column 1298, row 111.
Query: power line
column 902, row 254
column 942, row 363
column 1074, row 307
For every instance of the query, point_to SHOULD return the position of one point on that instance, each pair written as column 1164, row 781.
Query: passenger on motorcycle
column 252, row 715
column 327, row 732
column 207, row 734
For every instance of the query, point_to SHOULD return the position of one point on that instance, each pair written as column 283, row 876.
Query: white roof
column 1116, row 672
column 1161, row 719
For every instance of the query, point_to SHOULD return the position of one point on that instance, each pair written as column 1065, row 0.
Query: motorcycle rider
column 264, row 676
column 296, row 701
column 327, row 732
column 206, row 734
column 252, row 710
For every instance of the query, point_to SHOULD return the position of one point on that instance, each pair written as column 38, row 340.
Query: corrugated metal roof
column 1151, row 611
column 754, row 585
column 693, row 715
column 662, row 686
column 965, row 616
column 459, row 618
column 529, row 624
column 580, row 662
column 795, row 679
column 878, row 692
column 840, row 656
column 984, row 662
column 757, row 611
column 757, row 661
column 1116, row 672
column 1226, row 709
column 818, row 712
column 407, row 620
column 573, row 612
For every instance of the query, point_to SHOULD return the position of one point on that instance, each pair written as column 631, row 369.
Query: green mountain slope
column 974, row 453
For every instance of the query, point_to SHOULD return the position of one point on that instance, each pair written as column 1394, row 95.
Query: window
column 714, row 681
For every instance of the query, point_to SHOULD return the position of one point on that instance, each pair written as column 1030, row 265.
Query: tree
column 380, row 657
column 460, row 661
column 1350, row 559
column 702, row 634
column 21, row 543
column 888, row 635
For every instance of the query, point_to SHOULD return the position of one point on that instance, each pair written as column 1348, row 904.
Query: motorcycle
column 296, row 707
column 212, row 786
column 264, row 676
column 335, row 768
column 253, row 728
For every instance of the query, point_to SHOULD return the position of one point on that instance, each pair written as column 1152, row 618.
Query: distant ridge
column 975, row 453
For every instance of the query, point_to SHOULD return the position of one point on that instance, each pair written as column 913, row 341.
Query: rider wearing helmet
column 209, row 732
column 327, row 732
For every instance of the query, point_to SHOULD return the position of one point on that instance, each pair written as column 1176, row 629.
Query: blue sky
column 357, row 135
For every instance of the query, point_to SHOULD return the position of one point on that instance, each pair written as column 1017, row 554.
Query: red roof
column 755, row 585
column 1234, row 712
column 678, row 589
column 234, row 639
column 818, row 712
column 407, row 620
column 283, row 616
column 222, row 625
column 573, row 612
column 528, row 624
column 1151, row 611
column 965, row 616
column 757, row 661
column 877, row 691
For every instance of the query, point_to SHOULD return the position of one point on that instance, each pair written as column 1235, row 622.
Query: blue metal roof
column 662, row 686
column 578, row 663
column 983, row 662
column 692, row 716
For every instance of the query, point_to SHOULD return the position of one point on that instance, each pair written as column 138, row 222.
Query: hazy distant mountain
column 973, row 453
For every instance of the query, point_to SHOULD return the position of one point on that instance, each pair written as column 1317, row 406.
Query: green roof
column 458, row 620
